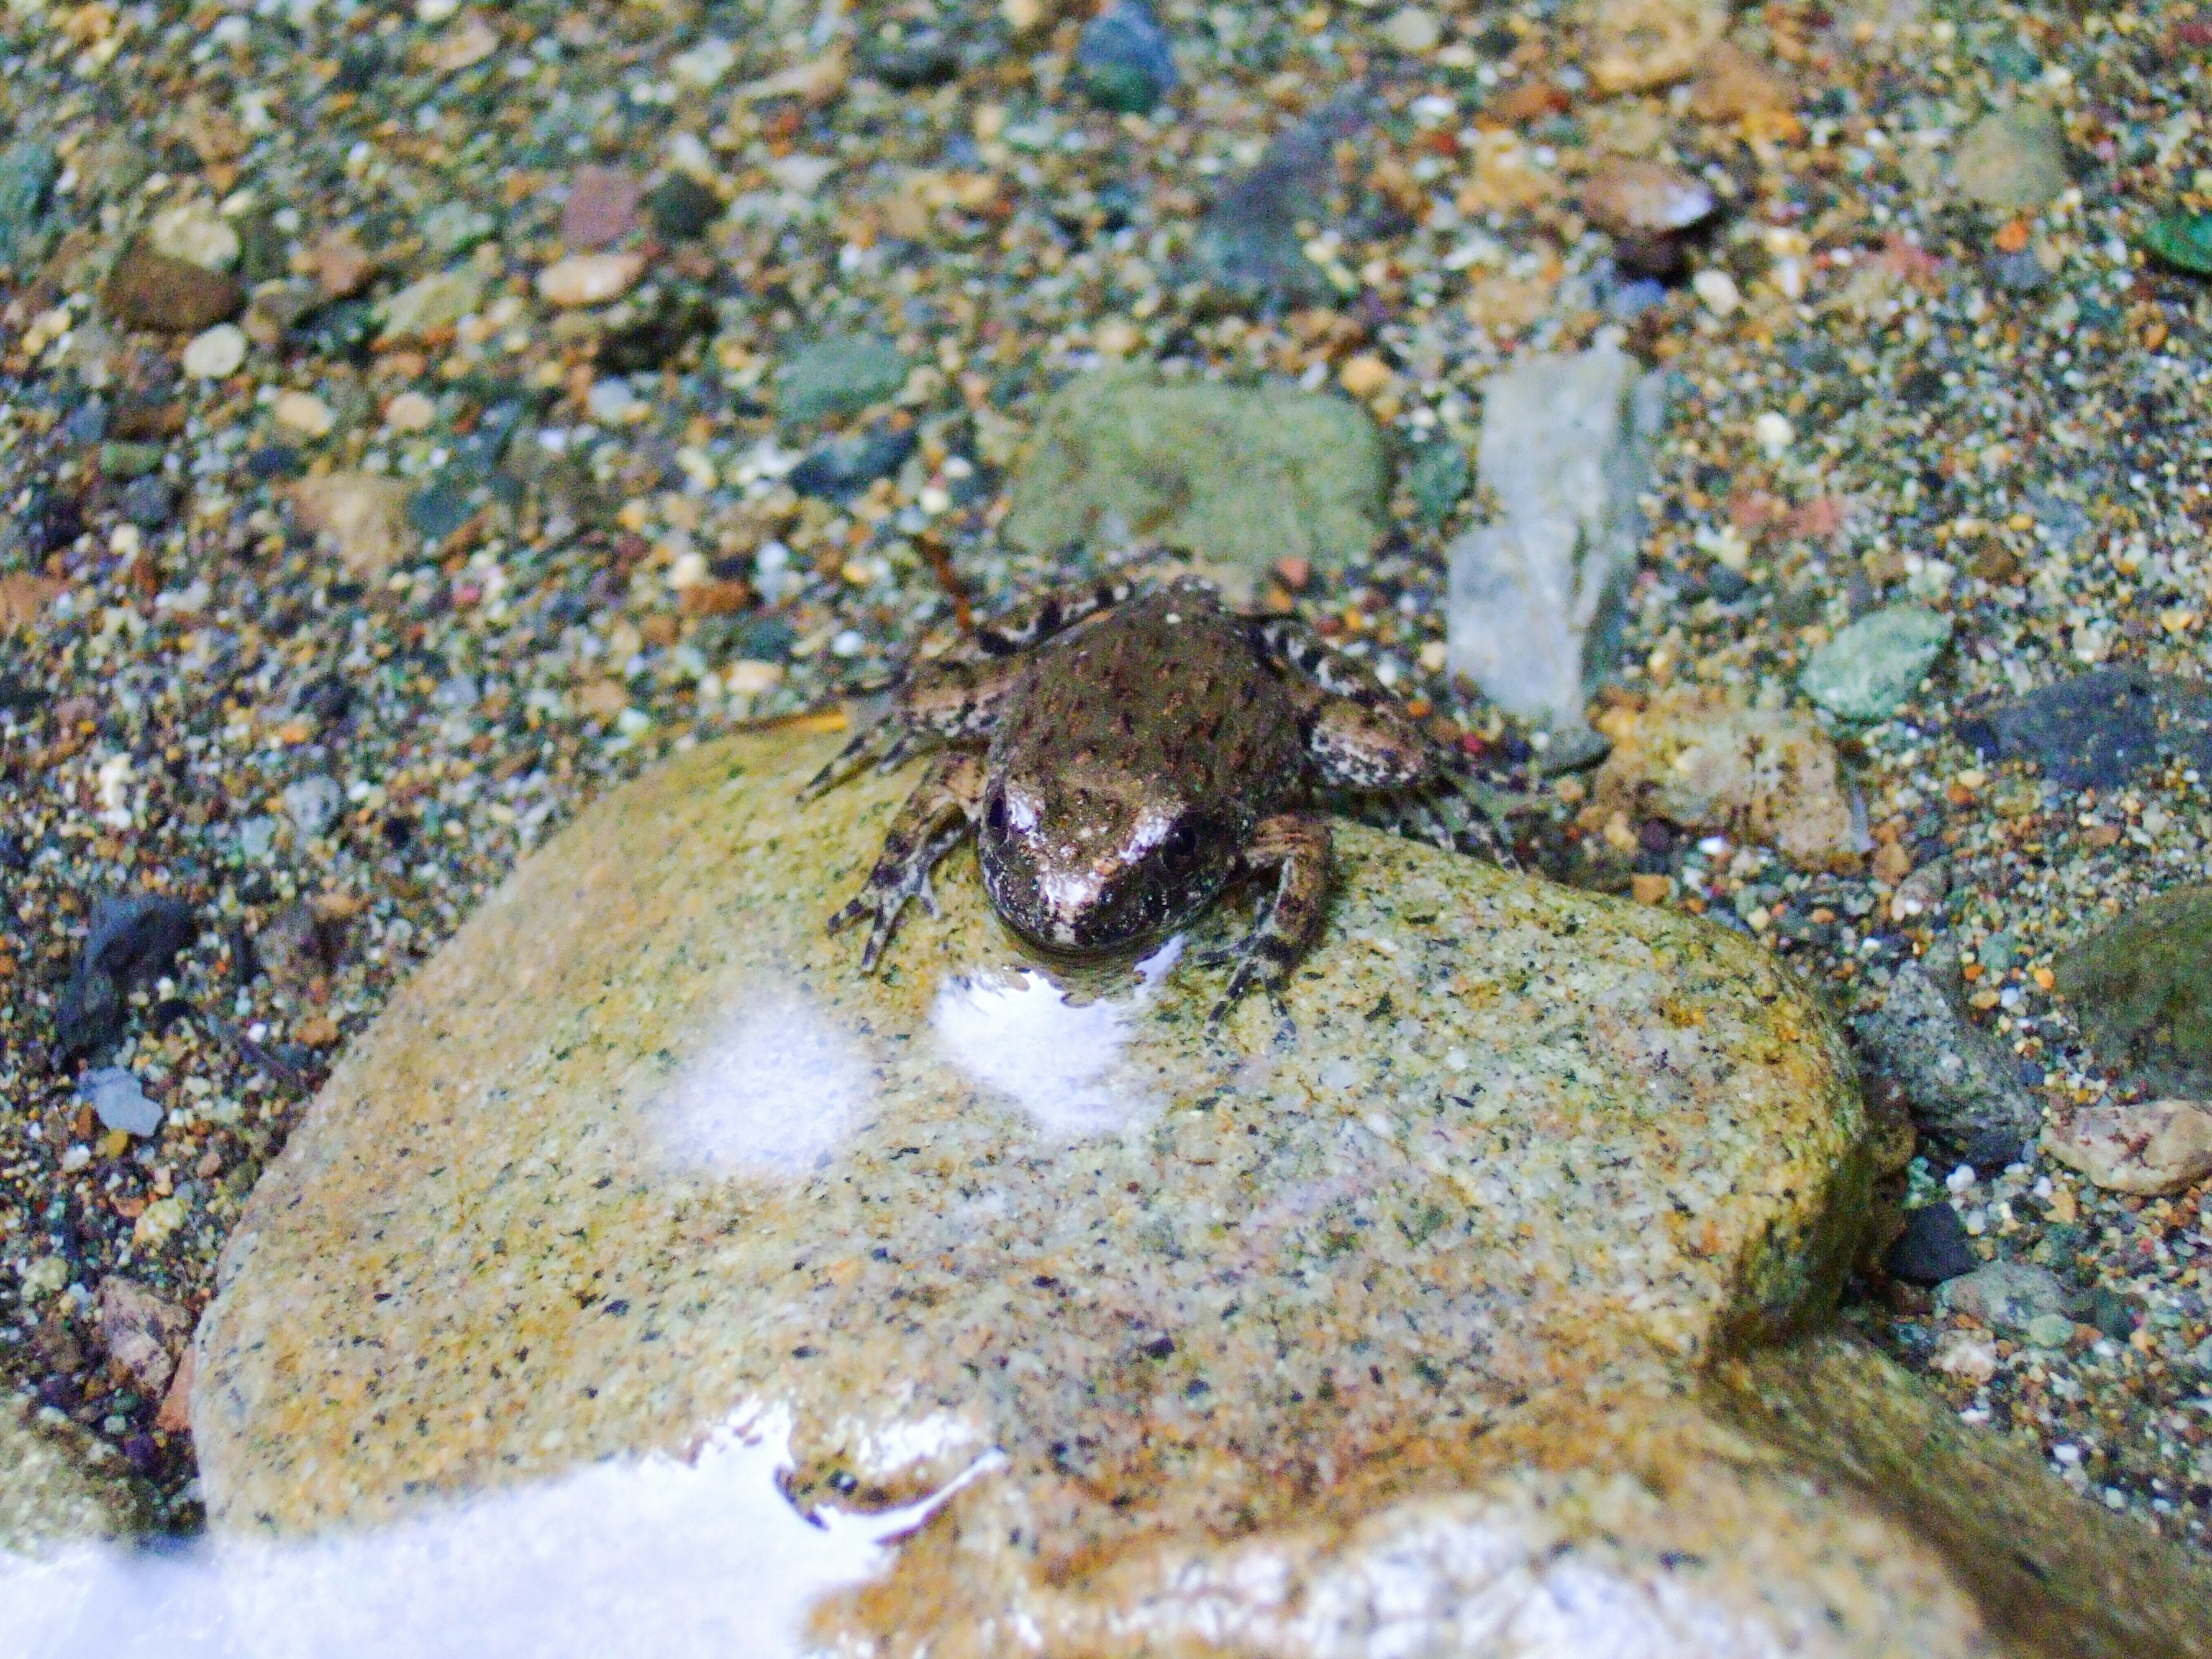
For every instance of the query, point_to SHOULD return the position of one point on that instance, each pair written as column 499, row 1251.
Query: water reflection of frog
column 1123, row 758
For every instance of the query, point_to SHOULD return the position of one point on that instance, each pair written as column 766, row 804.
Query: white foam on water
column 771, row 1092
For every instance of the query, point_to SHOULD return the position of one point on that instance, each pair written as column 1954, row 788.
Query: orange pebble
column 2013, row 237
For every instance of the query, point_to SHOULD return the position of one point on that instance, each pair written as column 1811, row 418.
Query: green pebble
column 839, row 377
column 1437, row 477
column 1121, row 88
column 2183, row 240
column 2050, row 1331
column 128, row 460
column 1867, row 671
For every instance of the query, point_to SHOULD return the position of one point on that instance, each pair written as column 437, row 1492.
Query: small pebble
column 217, row 353
column 589, row 279
column 303, row 412
column 119, row 1101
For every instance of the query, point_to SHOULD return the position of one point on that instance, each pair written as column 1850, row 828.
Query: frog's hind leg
column 1295, row 847
column 938, row 812
column 1357, row 735
column 1054, row 614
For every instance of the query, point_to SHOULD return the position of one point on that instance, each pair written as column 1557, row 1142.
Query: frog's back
column 1167, row 687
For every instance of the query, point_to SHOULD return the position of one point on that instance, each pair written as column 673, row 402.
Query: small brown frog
column 1123, row 756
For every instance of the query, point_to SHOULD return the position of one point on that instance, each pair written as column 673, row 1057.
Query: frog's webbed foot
column 928, row 826
column 1297, row 848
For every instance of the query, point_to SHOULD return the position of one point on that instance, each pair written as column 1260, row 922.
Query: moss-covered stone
column 1238, row 477
column 2142, row 986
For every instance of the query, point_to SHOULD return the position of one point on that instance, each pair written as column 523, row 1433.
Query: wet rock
column 1413, row 30
column 1645, row 198
column 362, row 513
column 50, row 1494
column 1446, row 1154
column 2013, row 160
column 2039, row 1559
column 2021, row 272
column 120, row 1101
column 1437, row 477
column 1122, row 59
column 2005, row 1295
column 438, row 510
column 28, row 168
column 836, row 376
column 1697, row 759
column 602, row 207
column 1533, row 604
column 655, row 333
column 1250, row 241
column 217, row 353
column 314, row 804
column 1932, row 1248
column 589, row 279
column 131, row 941
column 150, row 502
column 2097, row 729
column 681, row 207
column 151, row 290
column 433, row 303
column 1238, row 477
column 2143, row 988
column 126, row 461
column 1951, row 1076
column 841, row 470
column 141, row 1332
column 304, row 413
column 1869, row 669
column 1630, row 45
column 196, row 233
column 1732, row 85
column 453, row 227
column 920, row 59
column 2182, row 240
column 2152, row 1146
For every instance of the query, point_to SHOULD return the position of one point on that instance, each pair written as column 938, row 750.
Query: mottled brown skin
column 1124, row 759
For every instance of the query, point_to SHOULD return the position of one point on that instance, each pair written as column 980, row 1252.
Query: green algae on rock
column 1869, row 669
column 1239, row 476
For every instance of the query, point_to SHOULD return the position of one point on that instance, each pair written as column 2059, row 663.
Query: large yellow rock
column 642, row 1150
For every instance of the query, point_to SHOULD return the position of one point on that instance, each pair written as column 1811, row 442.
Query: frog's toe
column 883, row 908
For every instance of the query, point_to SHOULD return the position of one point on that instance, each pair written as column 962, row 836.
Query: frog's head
column 1100, row 861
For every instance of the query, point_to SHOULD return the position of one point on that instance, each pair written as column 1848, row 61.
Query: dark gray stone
column 27, row 171
column 1932, row 1248
column 1950, row 1075
column 1123, row 61
column 843, row 468
column 438, row 511
column 1249, row 239
column 150, row 502
column 131, row 941
column 2097, row 729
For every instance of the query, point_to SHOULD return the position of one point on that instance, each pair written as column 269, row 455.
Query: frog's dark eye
column 995, row 812
column 1180, row 843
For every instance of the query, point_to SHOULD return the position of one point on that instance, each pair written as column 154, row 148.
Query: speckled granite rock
column 641, row 1149
column 48, row 1496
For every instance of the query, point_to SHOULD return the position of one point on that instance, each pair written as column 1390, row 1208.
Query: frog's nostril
column 995, row 812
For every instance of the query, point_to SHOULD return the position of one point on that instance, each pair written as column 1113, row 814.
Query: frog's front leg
column 1295, row 847
column 950, row 700
column 938, row 812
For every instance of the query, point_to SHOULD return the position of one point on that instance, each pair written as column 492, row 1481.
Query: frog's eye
column 995, row 812
column 1180, row 843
